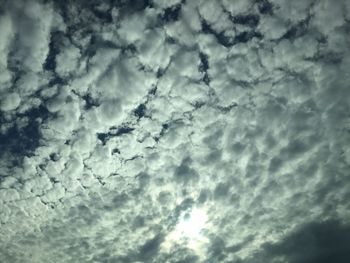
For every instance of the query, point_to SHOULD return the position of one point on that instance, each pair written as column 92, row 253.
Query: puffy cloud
column 67, row 61
column 174, row 131
column 10, row 101
column 6, row 27
column 33, row 33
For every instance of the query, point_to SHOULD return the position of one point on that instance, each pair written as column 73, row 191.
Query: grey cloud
column 313, row 242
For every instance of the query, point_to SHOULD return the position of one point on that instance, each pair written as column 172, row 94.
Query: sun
column 189, row 230
column 191, row 224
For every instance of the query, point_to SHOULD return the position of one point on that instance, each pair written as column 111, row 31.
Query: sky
column 169, row 131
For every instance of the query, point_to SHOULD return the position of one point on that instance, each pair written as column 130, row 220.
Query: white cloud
column 292, row 11
column 214, row 14
column 132, row 28
column 239, row 6
column 153, row 51
column 67, row 61
column 10, row 101
column 272, row 27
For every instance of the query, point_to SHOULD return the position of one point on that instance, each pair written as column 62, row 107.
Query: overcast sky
column 169, row 131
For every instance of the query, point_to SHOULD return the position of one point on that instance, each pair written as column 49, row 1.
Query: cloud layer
column 118, row 119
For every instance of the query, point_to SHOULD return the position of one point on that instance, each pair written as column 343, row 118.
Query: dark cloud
column 171, row 14
column 265, row 7
column 184, row 173
column 24, row 138
column 140, row 111
column 249, row 20
column 222, row 39
column 151, row 248
column 319, row 242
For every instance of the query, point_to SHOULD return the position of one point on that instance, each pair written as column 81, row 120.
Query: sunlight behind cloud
column 190, row 225
column 189, row 230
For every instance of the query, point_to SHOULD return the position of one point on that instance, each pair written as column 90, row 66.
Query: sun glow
column 189, row 230
column 190, row 225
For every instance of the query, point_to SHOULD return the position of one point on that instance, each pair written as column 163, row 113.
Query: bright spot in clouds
column 190, row 225
column 189, row 230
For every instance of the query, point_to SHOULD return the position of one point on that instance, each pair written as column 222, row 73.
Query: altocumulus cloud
column 174, row 131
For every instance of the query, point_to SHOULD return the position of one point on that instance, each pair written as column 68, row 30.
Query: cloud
column 10, row 101
column 313, row 242
column 32, row 33
column 118, row 119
